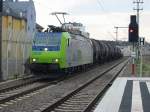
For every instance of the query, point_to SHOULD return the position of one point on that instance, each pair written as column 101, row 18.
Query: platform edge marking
column 136, row 98
column 106, row 105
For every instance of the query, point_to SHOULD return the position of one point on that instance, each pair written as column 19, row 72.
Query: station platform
column 127, row 94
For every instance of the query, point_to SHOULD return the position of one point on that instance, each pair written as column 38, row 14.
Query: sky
column 98, row 16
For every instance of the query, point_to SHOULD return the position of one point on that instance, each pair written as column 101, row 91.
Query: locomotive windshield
column 48, row 40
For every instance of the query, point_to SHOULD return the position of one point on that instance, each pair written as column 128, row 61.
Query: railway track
column 22, row 91
column 27, row 86
column 29, row 90
column 85, row 97
column 14, row 84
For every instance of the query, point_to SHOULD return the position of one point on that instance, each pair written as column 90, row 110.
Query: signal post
column 133, row 38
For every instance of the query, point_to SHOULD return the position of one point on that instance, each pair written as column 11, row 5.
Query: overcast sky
column 99, row 16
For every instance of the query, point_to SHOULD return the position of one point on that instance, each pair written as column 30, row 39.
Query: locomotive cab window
column 49, row 40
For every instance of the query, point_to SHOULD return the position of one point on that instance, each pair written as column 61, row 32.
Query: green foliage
column 145, row 68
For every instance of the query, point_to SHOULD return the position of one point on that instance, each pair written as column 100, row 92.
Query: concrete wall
column 15, row 46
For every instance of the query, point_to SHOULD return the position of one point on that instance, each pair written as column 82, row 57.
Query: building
column 18, row 27
column 26, row 9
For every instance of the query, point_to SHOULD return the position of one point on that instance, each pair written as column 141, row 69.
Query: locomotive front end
column 47, row 51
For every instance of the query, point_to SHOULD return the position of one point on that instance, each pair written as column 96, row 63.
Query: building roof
column 17, row 8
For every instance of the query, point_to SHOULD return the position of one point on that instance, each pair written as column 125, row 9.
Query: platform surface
column 126, row 95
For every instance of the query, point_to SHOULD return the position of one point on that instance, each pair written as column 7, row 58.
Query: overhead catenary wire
column 111, row 35
column 100, row 3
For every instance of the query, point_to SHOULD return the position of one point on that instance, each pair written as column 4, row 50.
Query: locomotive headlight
column 34, row 60
column 56, row 60
column 45, row 49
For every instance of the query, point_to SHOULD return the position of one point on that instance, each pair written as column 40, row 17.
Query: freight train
column 68, row 48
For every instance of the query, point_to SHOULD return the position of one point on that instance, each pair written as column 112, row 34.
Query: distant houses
column 18, row 28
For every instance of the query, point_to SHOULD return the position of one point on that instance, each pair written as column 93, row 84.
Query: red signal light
column 131, row 30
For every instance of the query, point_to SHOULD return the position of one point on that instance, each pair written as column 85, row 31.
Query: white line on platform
column 148, row 86
column 113, row 97
column 136, row 98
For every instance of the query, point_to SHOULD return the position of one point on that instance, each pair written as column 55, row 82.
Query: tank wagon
column 69, row 48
